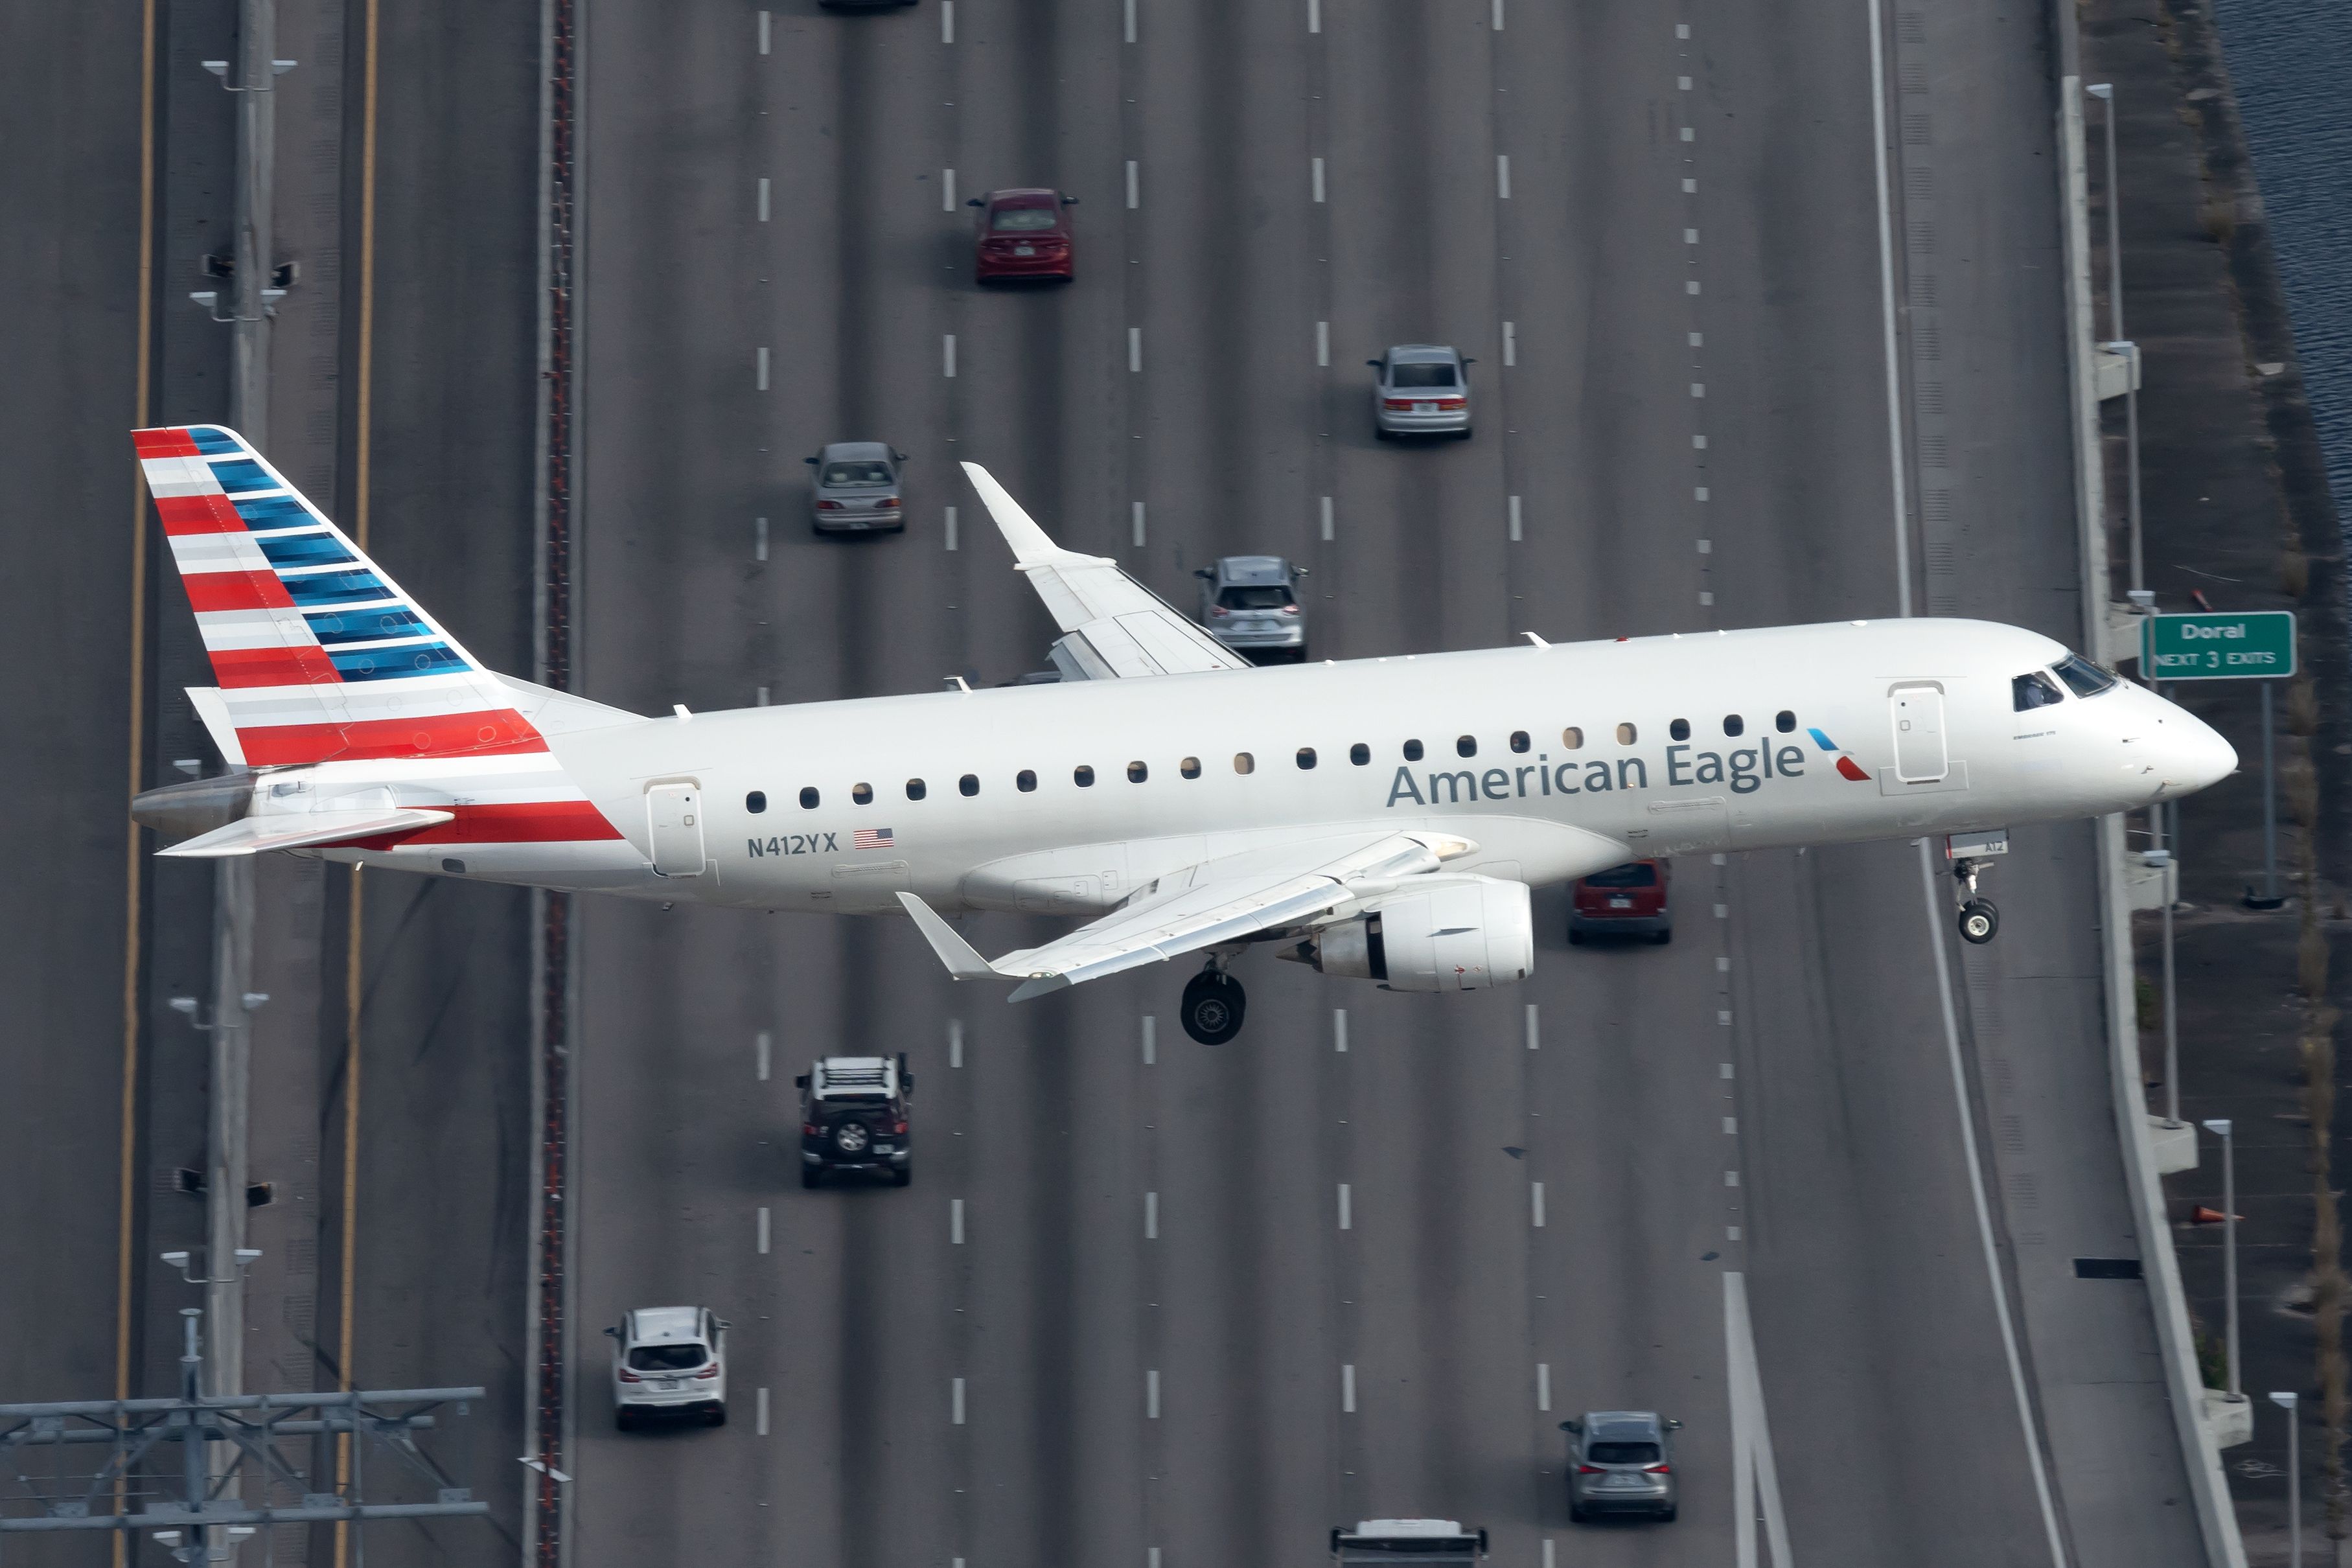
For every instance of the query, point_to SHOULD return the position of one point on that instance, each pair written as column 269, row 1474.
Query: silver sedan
column 856, row 489
column 1421, row 389
column 1622, row 1462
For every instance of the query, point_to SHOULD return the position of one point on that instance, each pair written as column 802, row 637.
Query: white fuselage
column 1921, row 709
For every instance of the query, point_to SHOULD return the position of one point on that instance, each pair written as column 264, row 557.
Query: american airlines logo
column 1744, row 771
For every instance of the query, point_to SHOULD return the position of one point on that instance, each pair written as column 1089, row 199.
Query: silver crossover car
column 1247, row 604
column 856, row 489
column 1620, row 1461
column 1422, row 390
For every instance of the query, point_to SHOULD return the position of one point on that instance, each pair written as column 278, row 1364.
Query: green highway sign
column 2255, row 644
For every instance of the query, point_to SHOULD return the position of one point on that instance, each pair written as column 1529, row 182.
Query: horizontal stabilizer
column 301, row 830
column 953, row 950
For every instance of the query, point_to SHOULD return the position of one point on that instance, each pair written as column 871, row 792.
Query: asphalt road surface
column 1149, row 1337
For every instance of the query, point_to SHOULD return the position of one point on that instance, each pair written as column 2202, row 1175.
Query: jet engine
column 1460, row 934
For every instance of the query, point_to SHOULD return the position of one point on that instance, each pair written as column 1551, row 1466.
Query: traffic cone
column 2200, row 1215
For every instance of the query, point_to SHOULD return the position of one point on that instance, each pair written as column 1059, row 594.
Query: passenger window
column 1466, row 746
column 915, row 789
column 1679, row 730
column 1244, row 762
column 862, row 794
column 1785, row 721
column 756, row 802
column 1189, row 767
column 1306, row 758
column 1359, row 753
column 1572, row 738
column 2033, row 690
column 1626, row 734
column 1137, row 772
column 969, row 784
column 808, row 799
column 1519, row 741
column 1733, row 724
column 1082, row 776
column 2082, row 677
column 1025, row 781
column 1412, row 750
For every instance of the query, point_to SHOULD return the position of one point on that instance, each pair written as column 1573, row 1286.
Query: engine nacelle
column 1463, row 933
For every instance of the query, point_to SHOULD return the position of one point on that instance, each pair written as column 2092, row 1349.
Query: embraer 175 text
column 1382, row 819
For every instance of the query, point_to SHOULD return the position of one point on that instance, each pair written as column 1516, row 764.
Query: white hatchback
column 669, row 1361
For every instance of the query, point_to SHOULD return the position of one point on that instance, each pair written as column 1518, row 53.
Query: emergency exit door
column 674, row 822
column 1920, row 753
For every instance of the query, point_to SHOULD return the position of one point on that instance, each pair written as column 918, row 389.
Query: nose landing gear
column 1213, row 1006
column 1978, row 919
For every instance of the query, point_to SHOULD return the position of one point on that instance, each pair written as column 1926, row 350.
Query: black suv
column 853, row 1118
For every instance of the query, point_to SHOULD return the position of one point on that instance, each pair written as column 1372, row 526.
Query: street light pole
column 2220, row 1127
column 2105, row 93
column 2287, row 1402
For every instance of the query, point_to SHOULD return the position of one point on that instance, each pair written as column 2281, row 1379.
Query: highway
column 1149, row 1337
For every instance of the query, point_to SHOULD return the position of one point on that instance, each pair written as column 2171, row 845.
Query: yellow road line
column 130, row 1128
column 353, row 989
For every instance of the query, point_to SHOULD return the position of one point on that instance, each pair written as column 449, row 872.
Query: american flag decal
column 870, row 838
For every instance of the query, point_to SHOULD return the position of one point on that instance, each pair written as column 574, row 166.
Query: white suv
column 669, row 1361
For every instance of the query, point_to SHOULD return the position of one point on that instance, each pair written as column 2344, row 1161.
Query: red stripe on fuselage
column 235, row 591
column 183, row 515
column 506, row 822
column 173, row 442
column 1850, row 769
column 480, row 735
column 305, row 665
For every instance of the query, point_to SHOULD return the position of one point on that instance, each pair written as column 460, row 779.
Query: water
column 2290, row 63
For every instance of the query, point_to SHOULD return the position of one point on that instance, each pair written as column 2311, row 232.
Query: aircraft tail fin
column 318, row 653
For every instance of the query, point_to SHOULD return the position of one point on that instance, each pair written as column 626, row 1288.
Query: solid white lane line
column 759, row 1042
column 760, row 370
column 1510, row 344
column 764, row 198
column 1348, row 1389
column 1928, row 881
column 948, row 537
column 1135, row 350
column 1152, row 1394
column 1752, row 1466
column 1134, row 192
column 759, row 539
column 947, row 190
column 763, row 32
column 955, row 1222
column 955, row 1404
column 1886, row 314
column 1503, row 176
column 1347, row 1214
column 1543, row 1386
column 947, row 21
column 1151, row 1217
column 1323, row 342
column 1150, row 1035
column 1327, row 539
column 1139, row 525
column 1534, row 1200
column 1534, row 1037
column 955, row 1026
column 762, row 1413
column 764, row 1230
column 1339, row 1015
column 1515, row 538
column 1316, row 176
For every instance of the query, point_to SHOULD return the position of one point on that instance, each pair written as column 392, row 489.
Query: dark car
column 1624, row 900
column 1023, row 236
column 853, row 1118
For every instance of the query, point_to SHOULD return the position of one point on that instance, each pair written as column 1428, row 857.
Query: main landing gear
column 1979, row 919
column 1213, row 1006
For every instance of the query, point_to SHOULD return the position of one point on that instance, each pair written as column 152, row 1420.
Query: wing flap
column 303, row 830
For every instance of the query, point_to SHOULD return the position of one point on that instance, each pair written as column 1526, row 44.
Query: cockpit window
column 2034, row 689
column 2083, row 677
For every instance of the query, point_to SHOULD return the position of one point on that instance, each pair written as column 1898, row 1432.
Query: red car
column 1023, row 234
column 1624, row 900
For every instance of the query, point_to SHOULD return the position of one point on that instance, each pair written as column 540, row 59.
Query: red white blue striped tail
column 318, row 653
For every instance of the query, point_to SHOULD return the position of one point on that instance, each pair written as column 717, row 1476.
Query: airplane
column 1380, row 819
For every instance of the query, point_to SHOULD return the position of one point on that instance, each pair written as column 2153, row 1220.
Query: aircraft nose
column 2196, row 755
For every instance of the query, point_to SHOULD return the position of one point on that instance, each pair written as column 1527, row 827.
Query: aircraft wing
column 1215, row 901
column 300, row 829
column 1117, row 627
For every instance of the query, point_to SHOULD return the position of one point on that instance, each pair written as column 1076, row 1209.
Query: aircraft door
column 674, row 824
column 1920, row 756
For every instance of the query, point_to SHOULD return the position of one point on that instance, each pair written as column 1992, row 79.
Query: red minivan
column 1624, row 900
column 1023, row 234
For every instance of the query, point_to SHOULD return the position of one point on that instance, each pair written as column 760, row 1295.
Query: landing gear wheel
column 1978, row 921
column 1213, row 1007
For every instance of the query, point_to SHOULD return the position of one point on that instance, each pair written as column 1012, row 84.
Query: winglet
column 1031, row 545
column 954, row 952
